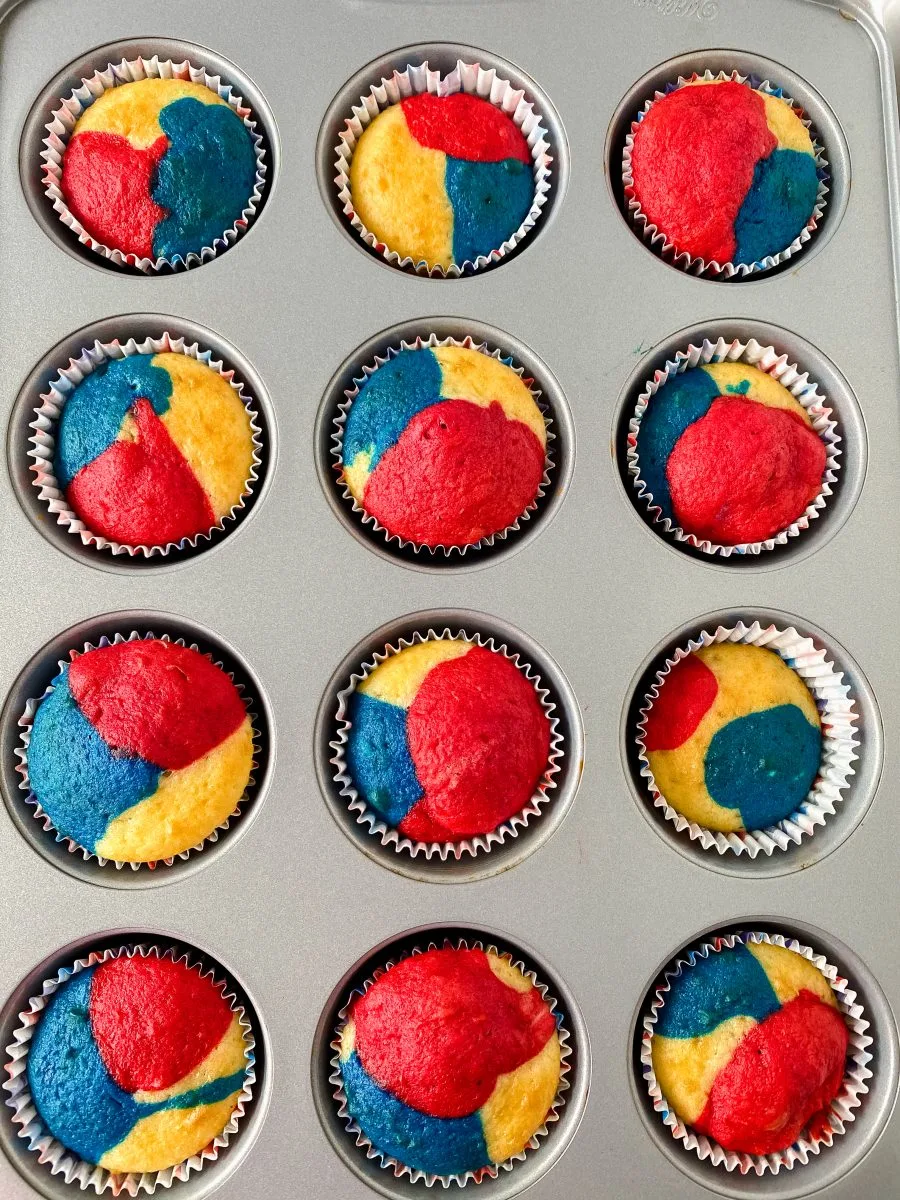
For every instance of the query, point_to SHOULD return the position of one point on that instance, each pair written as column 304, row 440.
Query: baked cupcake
column 443, row 446
column 442, row 180
column 139, row 750
column 724, row 172
column 159, row 169
column 153, row 450
column 749, row 1047
column 450, row 1062
column 733, row 738
column 446, row 740
column 728, row 455
column 139, row 1063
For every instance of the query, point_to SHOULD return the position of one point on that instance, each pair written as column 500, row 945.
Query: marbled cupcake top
column 159, row 168
column 444, row 446
column 137, row 1064
column 725, row 171
column 734, row 738
column 442, row 180
column 450, row 1061
column 750, row 1047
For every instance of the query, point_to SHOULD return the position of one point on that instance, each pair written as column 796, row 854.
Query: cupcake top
column 153, row 449
column 140, row 750
column 447, row 740
column 442, row 179
column 444, row 446
column 728, row 454
column 450, row 1061
column 750, row 1047
column 159, row 168
column 734, row 738
column 137, row 1064
column 726, row 172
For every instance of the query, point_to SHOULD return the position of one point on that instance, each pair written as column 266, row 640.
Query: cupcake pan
column 292, row 903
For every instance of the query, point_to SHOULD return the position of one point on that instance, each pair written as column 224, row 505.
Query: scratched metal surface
column 292, row 904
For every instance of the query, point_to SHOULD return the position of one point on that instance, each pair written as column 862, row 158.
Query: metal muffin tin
column 286, row 903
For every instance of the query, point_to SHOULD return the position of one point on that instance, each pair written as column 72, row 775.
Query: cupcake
column 749, row 1048
column 159, row 169
column 726, row 454
column 137, row 1063
column 450, row 1063
column 139, row 750
column 724, row 173
column 443, row 446
column 733, row 738
column 442, row 180
column 446, row 740
column 152, row 451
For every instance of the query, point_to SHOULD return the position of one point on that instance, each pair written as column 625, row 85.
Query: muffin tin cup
column 483, row 843
column 475, row 80
column 46, row 420
column 399, row 1169
column 26, row 722
column 838, row 714
column 62, row 1160
column 659, row 241
column 801, row 387
column 842, row 1108
column 65, row 116
column 394, row 540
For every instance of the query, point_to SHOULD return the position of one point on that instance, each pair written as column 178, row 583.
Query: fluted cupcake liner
column 432, row 341
column 475, row 80
column 790, row 376
column 53, row 401
column 26, row 721
column 658, row 240
column 374, row 821
column 63, row 120
column 387, row 1161
column 842, row 1109
column 838, row 715
column 63, row 1161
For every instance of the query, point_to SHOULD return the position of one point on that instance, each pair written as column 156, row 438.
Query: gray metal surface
column 293, row 904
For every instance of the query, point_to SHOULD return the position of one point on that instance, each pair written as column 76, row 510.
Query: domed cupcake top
column 447, row 740
column 749, row 1047
column 728, row 454
column 442, row 180
column 137, row 1063
column 159, row 169
column 733, row 738
column 725, row 172
column 450, row 1061
column 444, row 446
column 140, row 750
column 154, row 449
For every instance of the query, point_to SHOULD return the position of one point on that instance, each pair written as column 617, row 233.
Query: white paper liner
column 789, row 375
column 842, row 1108
column 660, row 242
column 46, row 420
column 26, row 722
column 63, row 1161
column 475, row 80
column 838, row 715
column 69, row 109
column 400, row 1169
column 337, row 446
column 375, row 822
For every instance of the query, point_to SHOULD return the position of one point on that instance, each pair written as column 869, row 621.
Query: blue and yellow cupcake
column 137, row 1063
